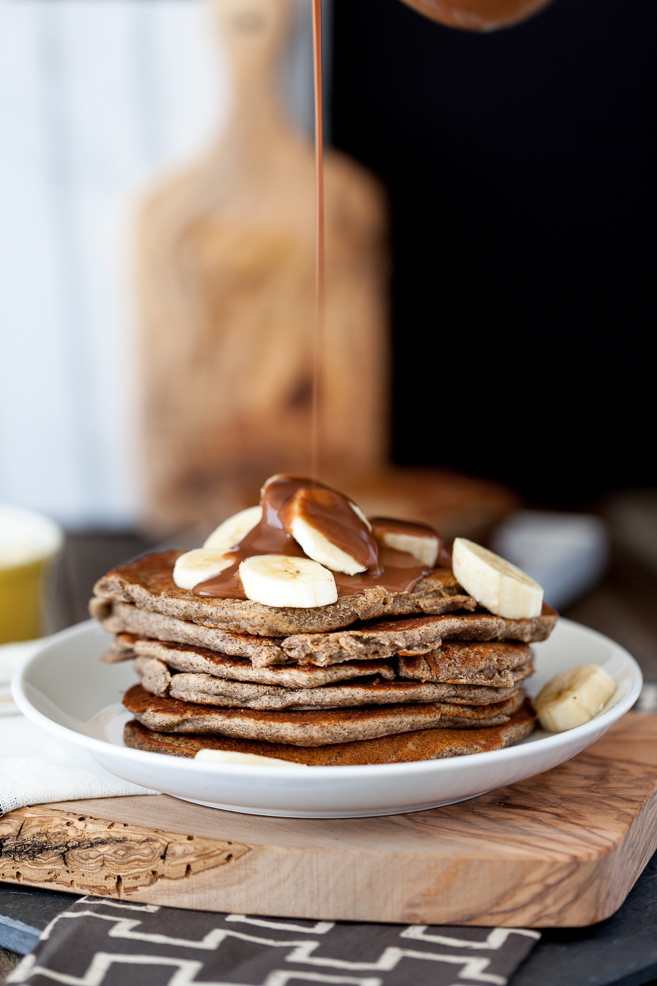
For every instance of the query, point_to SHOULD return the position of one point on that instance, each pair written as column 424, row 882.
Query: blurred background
column 520, row 166
column 490, row 250
column 99, row 99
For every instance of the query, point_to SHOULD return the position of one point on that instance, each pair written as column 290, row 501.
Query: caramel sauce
column 320, row 241
column 285, row 498
column 397, row 571
column 390, row 525
column 331, row 513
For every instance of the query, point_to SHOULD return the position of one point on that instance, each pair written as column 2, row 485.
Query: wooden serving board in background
column 558, row 850
column 226, row 284
column 225, row 259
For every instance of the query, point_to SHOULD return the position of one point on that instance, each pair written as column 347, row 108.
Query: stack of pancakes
column 377, row 677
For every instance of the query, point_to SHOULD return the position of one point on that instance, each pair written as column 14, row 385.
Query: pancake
column 424, row 744
column 147, row 583
column 156, row 678
column 117, row 617
column 378, row 639
column 484, row 675
column 478, row 662
column 494, row 664
column 415, row 635
column 311, row 728
column 403, row 670
column 204, row 661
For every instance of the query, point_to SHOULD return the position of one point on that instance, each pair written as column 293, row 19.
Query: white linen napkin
column 33, row 768
column 11, row 656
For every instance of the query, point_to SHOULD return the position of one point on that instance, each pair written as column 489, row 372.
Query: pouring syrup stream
column 395, row 570
column 320, row 265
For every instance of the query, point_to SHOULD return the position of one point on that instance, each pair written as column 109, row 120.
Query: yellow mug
column 28, row 544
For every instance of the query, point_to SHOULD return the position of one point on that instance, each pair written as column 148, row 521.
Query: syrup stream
column 320, row 266
column 396, row 570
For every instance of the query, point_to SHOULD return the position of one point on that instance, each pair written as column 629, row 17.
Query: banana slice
column 573, row 697
column 227, row 756
column 494, row 582
column 359, row 513
column 198, row 565
column 318, row 547
column 418, row 540
column 233, row 529
column 281, row 580
column 320, row 521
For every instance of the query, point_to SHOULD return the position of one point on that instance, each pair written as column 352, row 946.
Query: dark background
column 521, row 169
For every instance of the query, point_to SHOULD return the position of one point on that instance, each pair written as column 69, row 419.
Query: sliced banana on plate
column 573, row 697
column 207, row 755
column 283, row 580
column 233, row 529
column 494, row 582
column 198, row 565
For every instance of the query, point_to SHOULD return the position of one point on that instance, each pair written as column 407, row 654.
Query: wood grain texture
column 108, row 858
column 558, row 850
column 226, row 281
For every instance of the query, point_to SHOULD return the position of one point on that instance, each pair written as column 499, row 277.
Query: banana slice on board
column 233, row 529
column 573, row 697
column 282, row 580
column 198, row 565
column 494, row 582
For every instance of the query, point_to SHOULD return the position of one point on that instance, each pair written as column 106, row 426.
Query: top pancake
column 147, row 583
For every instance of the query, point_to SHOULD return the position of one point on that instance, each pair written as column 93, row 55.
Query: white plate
column 65, row 689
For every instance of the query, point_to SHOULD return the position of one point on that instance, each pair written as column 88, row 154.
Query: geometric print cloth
column 99, row 942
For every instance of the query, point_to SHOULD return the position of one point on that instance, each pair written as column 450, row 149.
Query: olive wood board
column 562, row 849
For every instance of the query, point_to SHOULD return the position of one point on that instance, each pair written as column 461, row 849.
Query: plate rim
column 20, row 685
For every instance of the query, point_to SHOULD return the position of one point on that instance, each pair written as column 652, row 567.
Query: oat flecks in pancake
column 485, row 662
column 156, row 677
column 493, row 664
column 379, row 639
column 310, row 728
column 425, row 744
column 485, row 675
column 120, row 617
column 415, row 634
column 148, row 584
column 205, row 661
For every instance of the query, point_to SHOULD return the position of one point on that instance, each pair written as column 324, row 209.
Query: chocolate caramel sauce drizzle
column 332, row 514
column 320, row 241
column 327, row 510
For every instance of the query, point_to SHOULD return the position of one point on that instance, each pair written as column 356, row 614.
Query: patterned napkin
column 101, row 942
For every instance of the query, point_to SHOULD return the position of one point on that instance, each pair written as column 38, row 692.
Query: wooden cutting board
column 225, row 259
column 226, row 286
column 558, row 850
